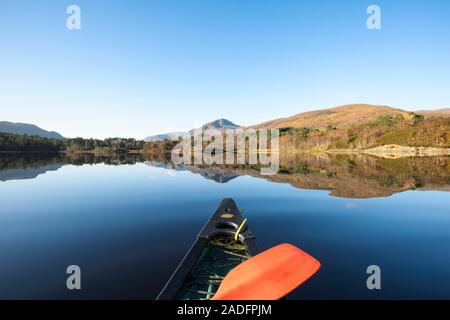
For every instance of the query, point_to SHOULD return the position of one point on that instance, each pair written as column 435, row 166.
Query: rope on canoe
column 228, row 243
column 236, row 236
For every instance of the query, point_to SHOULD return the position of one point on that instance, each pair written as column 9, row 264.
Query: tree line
column 15, row 142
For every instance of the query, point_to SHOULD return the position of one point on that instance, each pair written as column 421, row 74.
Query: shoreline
column 386, row 151
column 395, row 151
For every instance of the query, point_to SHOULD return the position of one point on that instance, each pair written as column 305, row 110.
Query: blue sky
column 145, row 67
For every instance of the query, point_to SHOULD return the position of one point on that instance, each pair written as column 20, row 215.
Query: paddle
column 269, row 275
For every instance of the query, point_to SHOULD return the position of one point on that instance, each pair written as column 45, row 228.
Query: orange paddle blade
column 269, row 275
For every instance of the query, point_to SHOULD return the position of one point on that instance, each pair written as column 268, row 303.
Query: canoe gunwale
column 216, row 226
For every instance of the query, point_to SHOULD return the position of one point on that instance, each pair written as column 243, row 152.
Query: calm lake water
column 127, row 222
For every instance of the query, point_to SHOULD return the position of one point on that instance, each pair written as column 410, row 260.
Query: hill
column 445, row 112
column 29, row 129
column 339, row 117
column 361, row 126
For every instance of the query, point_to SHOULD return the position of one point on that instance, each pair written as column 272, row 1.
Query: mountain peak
column 220, row 124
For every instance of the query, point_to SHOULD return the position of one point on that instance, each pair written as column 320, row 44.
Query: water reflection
column 118, row 221
column 18, row 166
column 352, row 176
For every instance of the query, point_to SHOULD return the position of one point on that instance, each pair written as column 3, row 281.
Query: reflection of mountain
column 27, row 173
column 214, row 173
column 364, row 176
column 160, row 164
column 208, row 172
column 352, row 176
column 17, row 166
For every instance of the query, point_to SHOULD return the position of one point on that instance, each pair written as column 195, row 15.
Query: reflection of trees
column 28, row 160
column 355, row 176
column 35, row 160
column 366, row 176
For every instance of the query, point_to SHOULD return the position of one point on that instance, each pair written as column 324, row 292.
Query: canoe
column 223, row 243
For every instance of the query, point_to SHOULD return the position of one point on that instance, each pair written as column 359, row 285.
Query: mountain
column 29, row 129
column 445, row 112
column 164, row 136
column 361, row 126
column 340, row 117
column 221, row 124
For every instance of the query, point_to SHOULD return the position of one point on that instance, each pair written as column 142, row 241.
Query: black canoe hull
column 224, row 222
